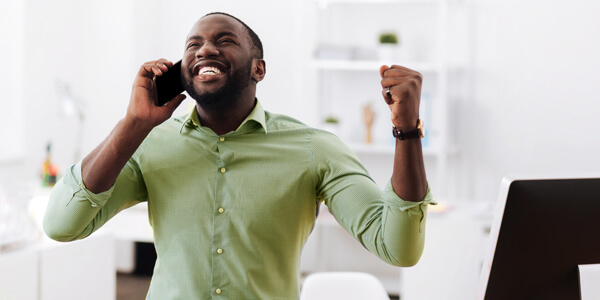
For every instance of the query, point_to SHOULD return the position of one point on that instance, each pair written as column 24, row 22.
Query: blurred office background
column 511, row 87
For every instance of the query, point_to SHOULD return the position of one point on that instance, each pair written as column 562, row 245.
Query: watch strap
column 408, row 134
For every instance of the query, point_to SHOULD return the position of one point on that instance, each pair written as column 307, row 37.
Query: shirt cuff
column 393, row 200
column 74, row 179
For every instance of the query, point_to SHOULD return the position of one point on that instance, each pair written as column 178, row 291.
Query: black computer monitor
column 543, row 229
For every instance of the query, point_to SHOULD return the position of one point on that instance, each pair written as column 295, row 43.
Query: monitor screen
column 543, row 229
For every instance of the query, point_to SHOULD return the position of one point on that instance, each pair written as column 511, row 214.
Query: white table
column 50, row 270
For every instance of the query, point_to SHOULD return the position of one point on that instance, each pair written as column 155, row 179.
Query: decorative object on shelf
column 369, row 119
column 49, row 170
column 331, row 124
column 389, row 45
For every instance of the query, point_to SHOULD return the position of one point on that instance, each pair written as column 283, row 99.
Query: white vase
column 388, row 52
column 333, row 128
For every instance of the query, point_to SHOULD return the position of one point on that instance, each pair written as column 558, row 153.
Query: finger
column 390, row 73
column 175, row 102
column 400, row 71
column 165, row 62
column 399, row 67
column 149, row 70
column 382, row 69
column 398, row 92
column 416, row 81
column 387, row 98
column 152, row 68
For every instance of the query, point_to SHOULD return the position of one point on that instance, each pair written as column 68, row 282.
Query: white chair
column 342, row 285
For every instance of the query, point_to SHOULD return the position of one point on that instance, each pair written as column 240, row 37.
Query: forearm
column 409, row 180
column 101, row 167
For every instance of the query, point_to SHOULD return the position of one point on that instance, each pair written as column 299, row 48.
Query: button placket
column 219, row 262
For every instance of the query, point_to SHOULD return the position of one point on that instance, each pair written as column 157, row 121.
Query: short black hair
column 257, row 44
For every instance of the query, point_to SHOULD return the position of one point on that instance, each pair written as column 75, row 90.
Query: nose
column 208, row 49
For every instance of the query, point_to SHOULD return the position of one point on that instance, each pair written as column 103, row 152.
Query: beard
column 226, row 95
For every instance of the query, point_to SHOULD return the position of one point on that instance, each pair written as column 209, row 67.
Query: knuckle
column 419, row 76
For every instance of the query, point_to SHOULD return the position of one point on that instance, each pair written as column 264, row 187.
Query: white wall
column 534, row 73
column 97, row 46
column 11, row 85
column 536, row 91
column 87, row 45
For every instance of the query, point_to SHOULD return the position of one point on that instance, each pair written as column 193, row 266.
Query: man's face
column 217, row 62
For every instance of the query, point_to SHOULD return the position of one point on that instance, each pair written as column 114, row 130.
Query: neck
column 223, row 120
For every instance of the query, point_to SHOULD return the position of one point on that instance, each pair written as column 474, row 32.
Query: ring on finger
column 387, row 92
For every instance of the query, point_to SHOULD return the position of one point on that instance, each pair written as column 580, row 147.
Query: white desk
column 50, row 270
column 451, row 263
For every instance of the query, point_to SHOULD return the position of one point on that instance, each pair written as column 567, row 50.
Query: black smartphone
column 168, row 85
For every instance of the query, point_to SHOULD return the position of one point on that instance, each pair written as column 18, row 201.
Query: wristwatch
column 411, row 133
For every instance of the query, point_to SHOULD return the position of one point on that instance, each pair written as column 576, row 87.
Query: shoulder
column 283, row 122
column 167, row 133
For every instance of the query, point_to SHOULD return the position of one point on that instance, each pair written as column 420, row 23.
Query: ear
column 259, row 69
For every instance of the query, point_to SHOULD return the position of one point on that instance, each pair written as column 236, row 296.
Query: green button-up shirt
column 231, row 213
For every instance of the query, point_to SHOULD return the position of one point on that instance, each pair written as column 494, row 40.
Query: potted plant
column 388, row 45
column 331, row 124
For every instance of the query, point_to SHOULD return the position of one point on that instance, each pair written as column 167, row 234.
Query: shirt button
column 219, row 251
column 222, row 139
column 218, row 291
column 223, row 170
column 221, row 210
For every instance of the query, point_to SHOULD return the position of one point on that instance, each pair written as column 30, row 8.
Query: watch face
column 421, row 128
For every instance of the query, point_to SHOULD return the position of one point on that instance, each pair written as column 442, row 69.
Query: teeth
column 209, row 71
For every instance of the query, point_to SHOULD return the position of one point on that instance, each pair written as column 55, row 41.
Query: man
column 233, row 191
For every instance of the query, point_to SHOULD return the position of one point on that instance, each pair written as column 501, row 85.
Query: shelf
column 11, row 158
column 368, row 65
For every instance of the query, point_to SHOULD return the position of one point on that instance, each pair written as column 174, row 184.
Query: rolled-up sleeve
column 74, row 212
column 403, row 231
column 385, row 224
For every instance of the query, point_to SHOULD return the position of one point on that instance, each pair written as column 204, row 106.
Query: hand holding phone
column 168, row 85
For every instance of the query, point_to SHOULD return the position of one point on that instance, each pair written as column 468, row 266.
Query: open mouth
column 209, row 70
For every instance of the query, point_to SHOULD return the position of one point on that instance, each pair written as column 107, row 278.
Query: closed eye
column 225, row 41
column 191, row 45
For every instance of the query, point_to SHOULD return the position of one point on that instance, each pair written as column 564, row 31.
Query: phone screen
column 168, row 85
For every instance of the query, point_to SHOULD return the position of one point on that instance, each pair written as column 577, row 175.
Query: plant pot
column 388, row 52
column 332, row 127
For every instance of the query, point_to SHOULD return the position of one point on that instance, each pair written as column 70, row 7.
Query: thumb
column 382, row 69
column 175, row 102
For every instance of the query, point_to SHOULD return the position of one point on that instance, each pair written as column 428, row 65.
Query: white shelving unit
column 340, row 86
column 341, row 75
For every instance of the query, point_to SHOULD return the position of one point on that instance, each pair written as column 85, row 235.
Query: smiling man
column 233, row 190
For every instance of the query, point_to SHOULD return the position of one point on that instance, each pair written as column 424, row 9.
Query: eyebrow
column 217, row 36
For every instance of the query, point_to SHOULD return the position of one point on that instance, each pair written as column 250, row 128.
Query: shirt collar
column 257, row 115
